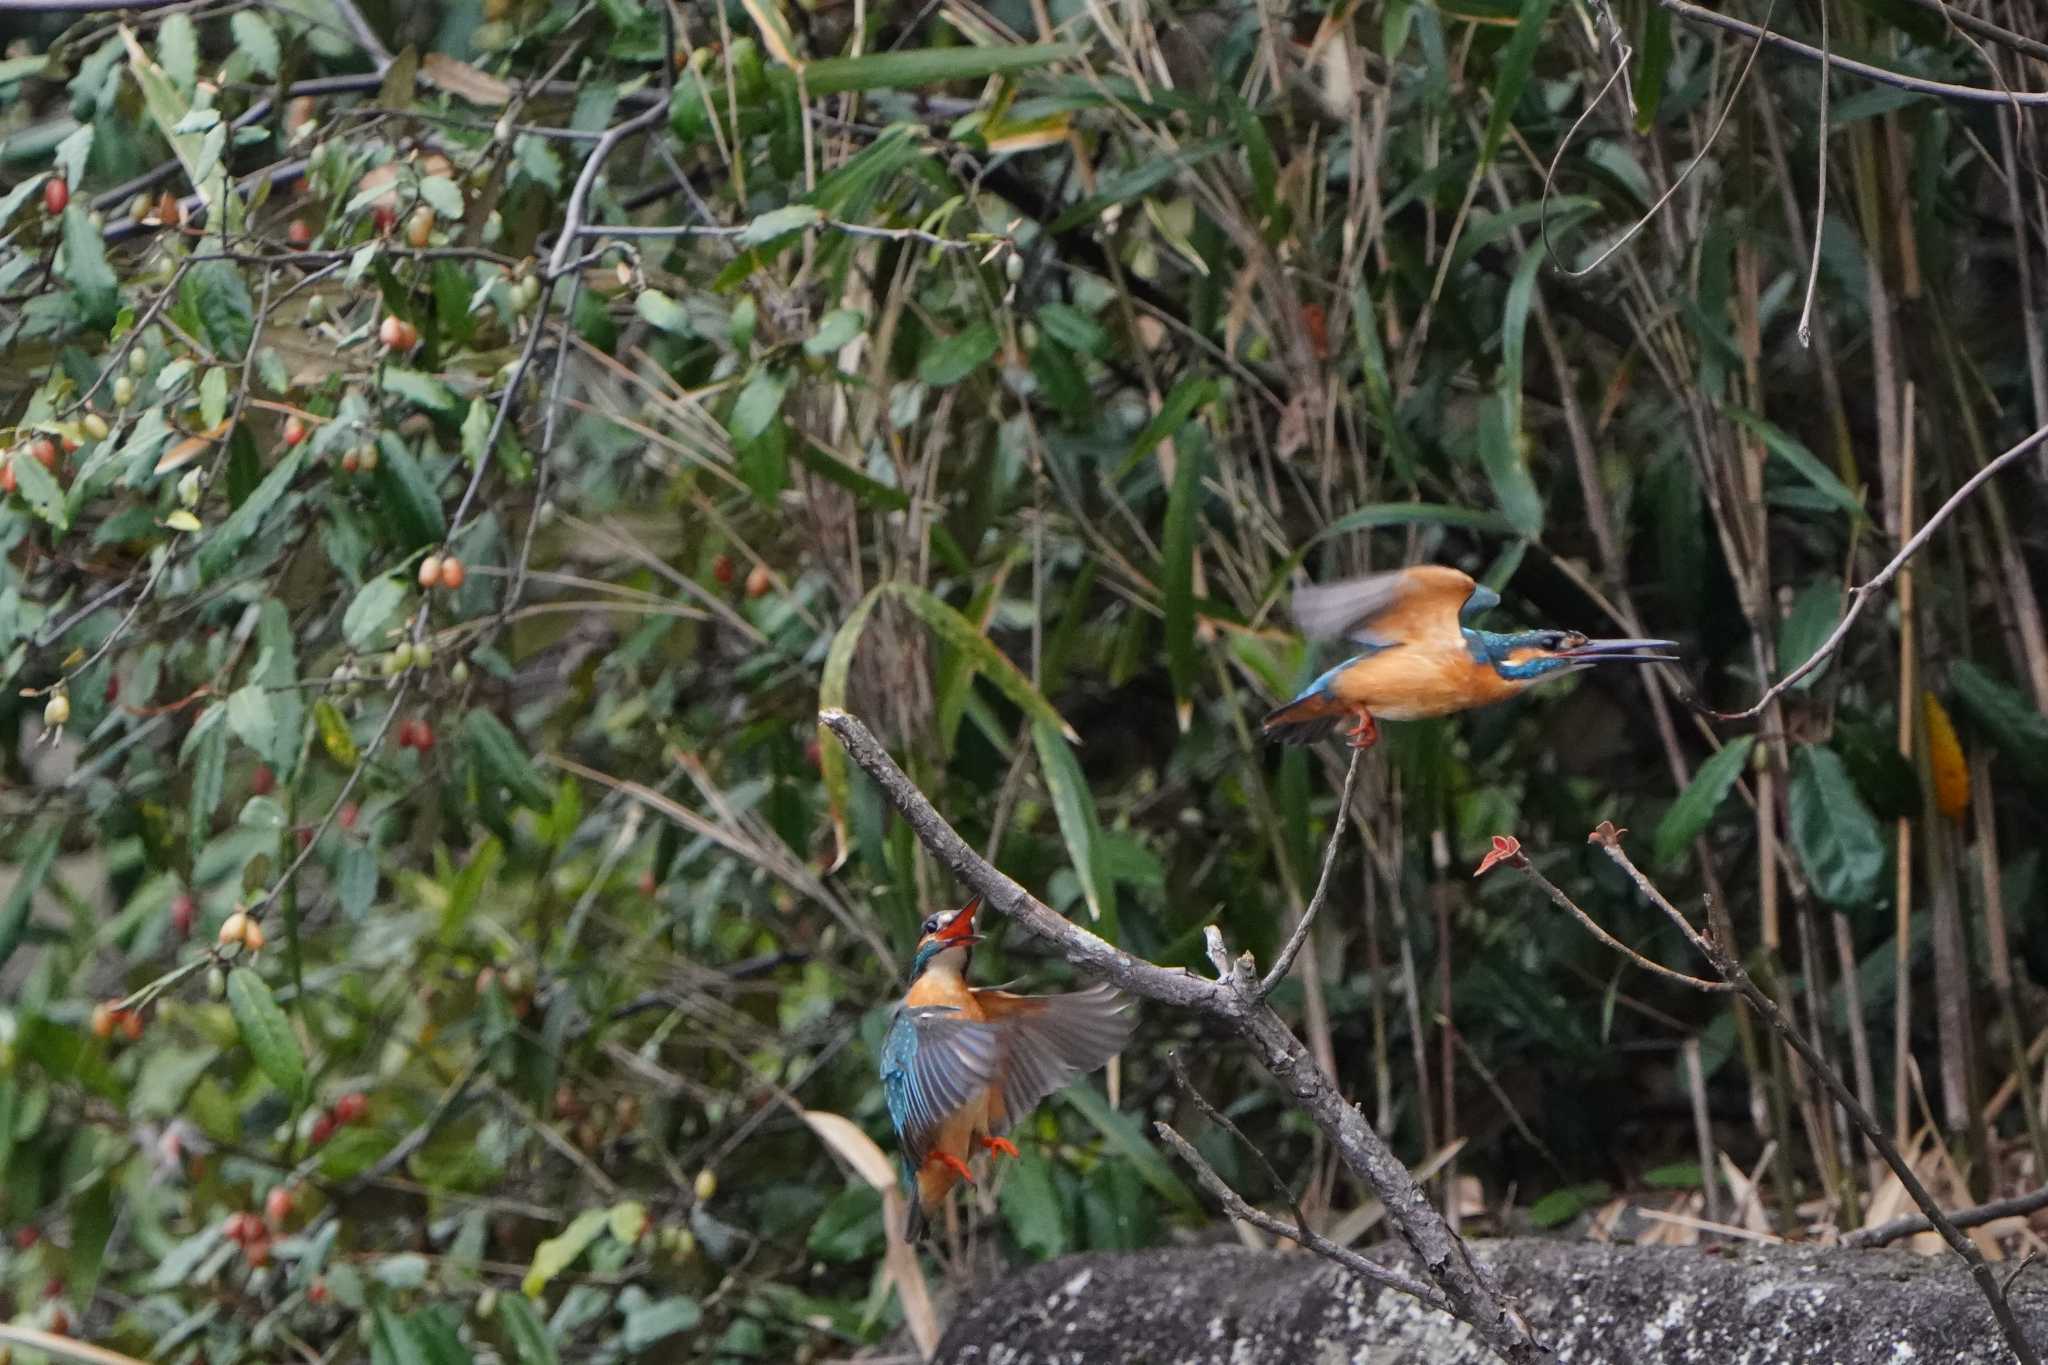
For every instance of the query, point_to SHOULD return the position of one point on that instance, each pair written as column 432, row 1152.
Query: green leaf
column 500, row 759
column 40, row 490
column 780, row 223
column 1561, row 1206
column 1500, row 450
column 1694, row 809
column 1416, row 513
column 1513, row 74
column 960, row 633
column 407, row 493
column 218, row 294
column 1834, row 832
column 1074, row 805
column 850, row 1228
column 1185, row 399
column 422, row 390
column 252, row 720
column 370, row 612
column 1793, row 452
column 954, row 358
column 257, row 40
column 1177, row 573
column 834, row 330
column 34, row 866
column 923, row 66
column 2006, row 716
column 759, row 403
column 1813, row 615
column 875, row 494
column 660, row 1320
column 1032, row 1207
column 1073, row 329
column 657, row 309
column 217, row 553
column 524, row 1329
column 86, row 270
column 559, row 1252
column 266, row 1032
column 1148, row 175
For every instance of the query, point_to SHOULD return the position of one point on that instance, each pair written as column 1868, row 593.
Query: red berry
column 131, row 1025
column 294, row 430
column 351, row 1107
column 45, row 451
column 316, row 1292
column 299, row 234
column 304, row 834
column 383, row 218
column 27, row 1236
column 8, row 483
column 265, row 780
column 56, row 194
column 60, row 1323
column 397, row 334
column 350, row 811
column 183, row 909
column 277, row 1207
column 113, row 688
column 242, row 1227
column 257, row 1253
column 721, row 569
column 647, row 882
column 811, row 754
column 405, row 734
column 53, row 1288
column 422, row 737
column 323, row 1129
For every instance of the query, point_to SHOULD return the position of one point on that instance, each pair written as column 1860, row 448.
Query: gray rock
column 1587, row 1301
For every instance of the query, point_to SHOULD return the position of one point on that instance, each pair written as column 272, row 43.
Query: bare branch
column 1881, row 1233
column 1284, row 963
column 1862, row 592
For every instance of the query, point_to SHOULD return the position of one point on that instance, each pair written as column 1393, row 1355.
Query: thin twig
column 1940, row 89
column 1284, row 963
column 1521, row 864
column 1862, row 592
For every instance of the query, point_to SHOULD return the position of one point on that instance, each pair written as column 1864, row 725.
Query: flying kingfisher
column 1423, row 656
column 961, row 1066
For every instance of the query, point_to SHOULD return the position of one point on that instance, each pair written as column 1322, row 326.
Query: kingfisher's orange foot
column 999, row 1144
column 1365, row 732
column 955, row 1165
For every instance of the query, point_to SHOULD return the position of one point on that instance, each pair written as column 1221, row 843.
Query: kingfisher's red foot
column 999, row 1144
column 954, row 1164
column 1364, row 732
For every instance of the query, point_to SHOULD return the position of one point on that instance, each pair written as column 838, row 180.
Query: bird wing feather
column 1048, row 1040
column 1408, row 606
column 934, row 1061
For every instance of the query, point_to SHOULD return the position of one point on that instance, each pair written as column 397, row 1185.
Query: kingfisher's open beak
column 1621, row 651
column 960, row 929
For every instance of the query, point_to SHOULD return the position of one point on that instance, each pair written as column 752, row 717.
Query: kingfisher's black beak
column 1621, row 651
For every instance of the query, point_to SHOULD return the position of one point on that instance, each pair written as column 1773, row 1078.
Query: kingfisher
column 1423, row 656
column 961, row 1066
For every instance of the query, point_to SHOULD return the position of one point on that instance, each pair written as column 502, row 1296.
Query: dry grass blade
column 859, row 1151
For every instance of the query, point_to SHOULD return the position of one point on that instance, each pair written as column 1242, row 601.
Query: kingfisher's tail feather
column 1307, row 719
column 913, row 1223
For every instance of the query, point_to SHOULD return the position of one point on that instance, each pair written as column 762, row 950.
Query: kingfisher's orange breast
column 1416, row 681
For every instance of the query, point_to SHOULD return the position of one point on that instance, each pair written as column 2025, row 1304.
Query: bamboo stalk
column 1902, row 950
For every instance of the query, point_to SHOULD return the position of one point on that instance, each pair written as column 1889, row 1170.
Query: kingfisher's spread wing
column 1048, row 1040
column 933, row 1062
column 1407, row 606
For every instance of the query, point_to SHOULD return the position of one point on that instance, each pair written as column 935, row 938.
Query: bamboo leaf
column 1177, row 574
column 832, row 697
column 960, row 633
column 1513, row 74
column 1074, row 806
column 1794, row 453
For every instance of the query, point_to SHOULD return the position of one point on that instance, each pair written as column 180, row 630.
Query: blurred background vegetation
column 993, row 370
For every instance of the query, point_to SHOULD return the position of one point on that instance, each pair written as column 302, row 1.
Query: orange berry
column 397, row 334
column 252, row 936
column 452, row 573
column 299, row 234
column 350, row 462
column 8, row 483
column 234, row 929
column 103, row 1020
column 45, row 451
column 294, row 430
column 131, row 1024
column 419, row 229
column 430, row 572
column 759, row 580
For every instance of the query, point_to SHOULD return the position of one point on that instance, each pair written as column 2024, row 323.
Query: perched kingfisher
column 1423, row 656
column 961, row 1066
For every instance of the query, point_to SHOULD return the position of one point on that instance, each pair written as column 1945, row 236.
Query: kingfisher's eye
column 931, row 926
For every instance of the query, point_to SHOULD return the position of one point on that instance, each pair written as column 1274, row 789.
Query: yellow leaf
column 628, row 1221
column 192, row 447
column 460, row 78
column 182, row 520
column 775, row 34
column 1945, row 762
